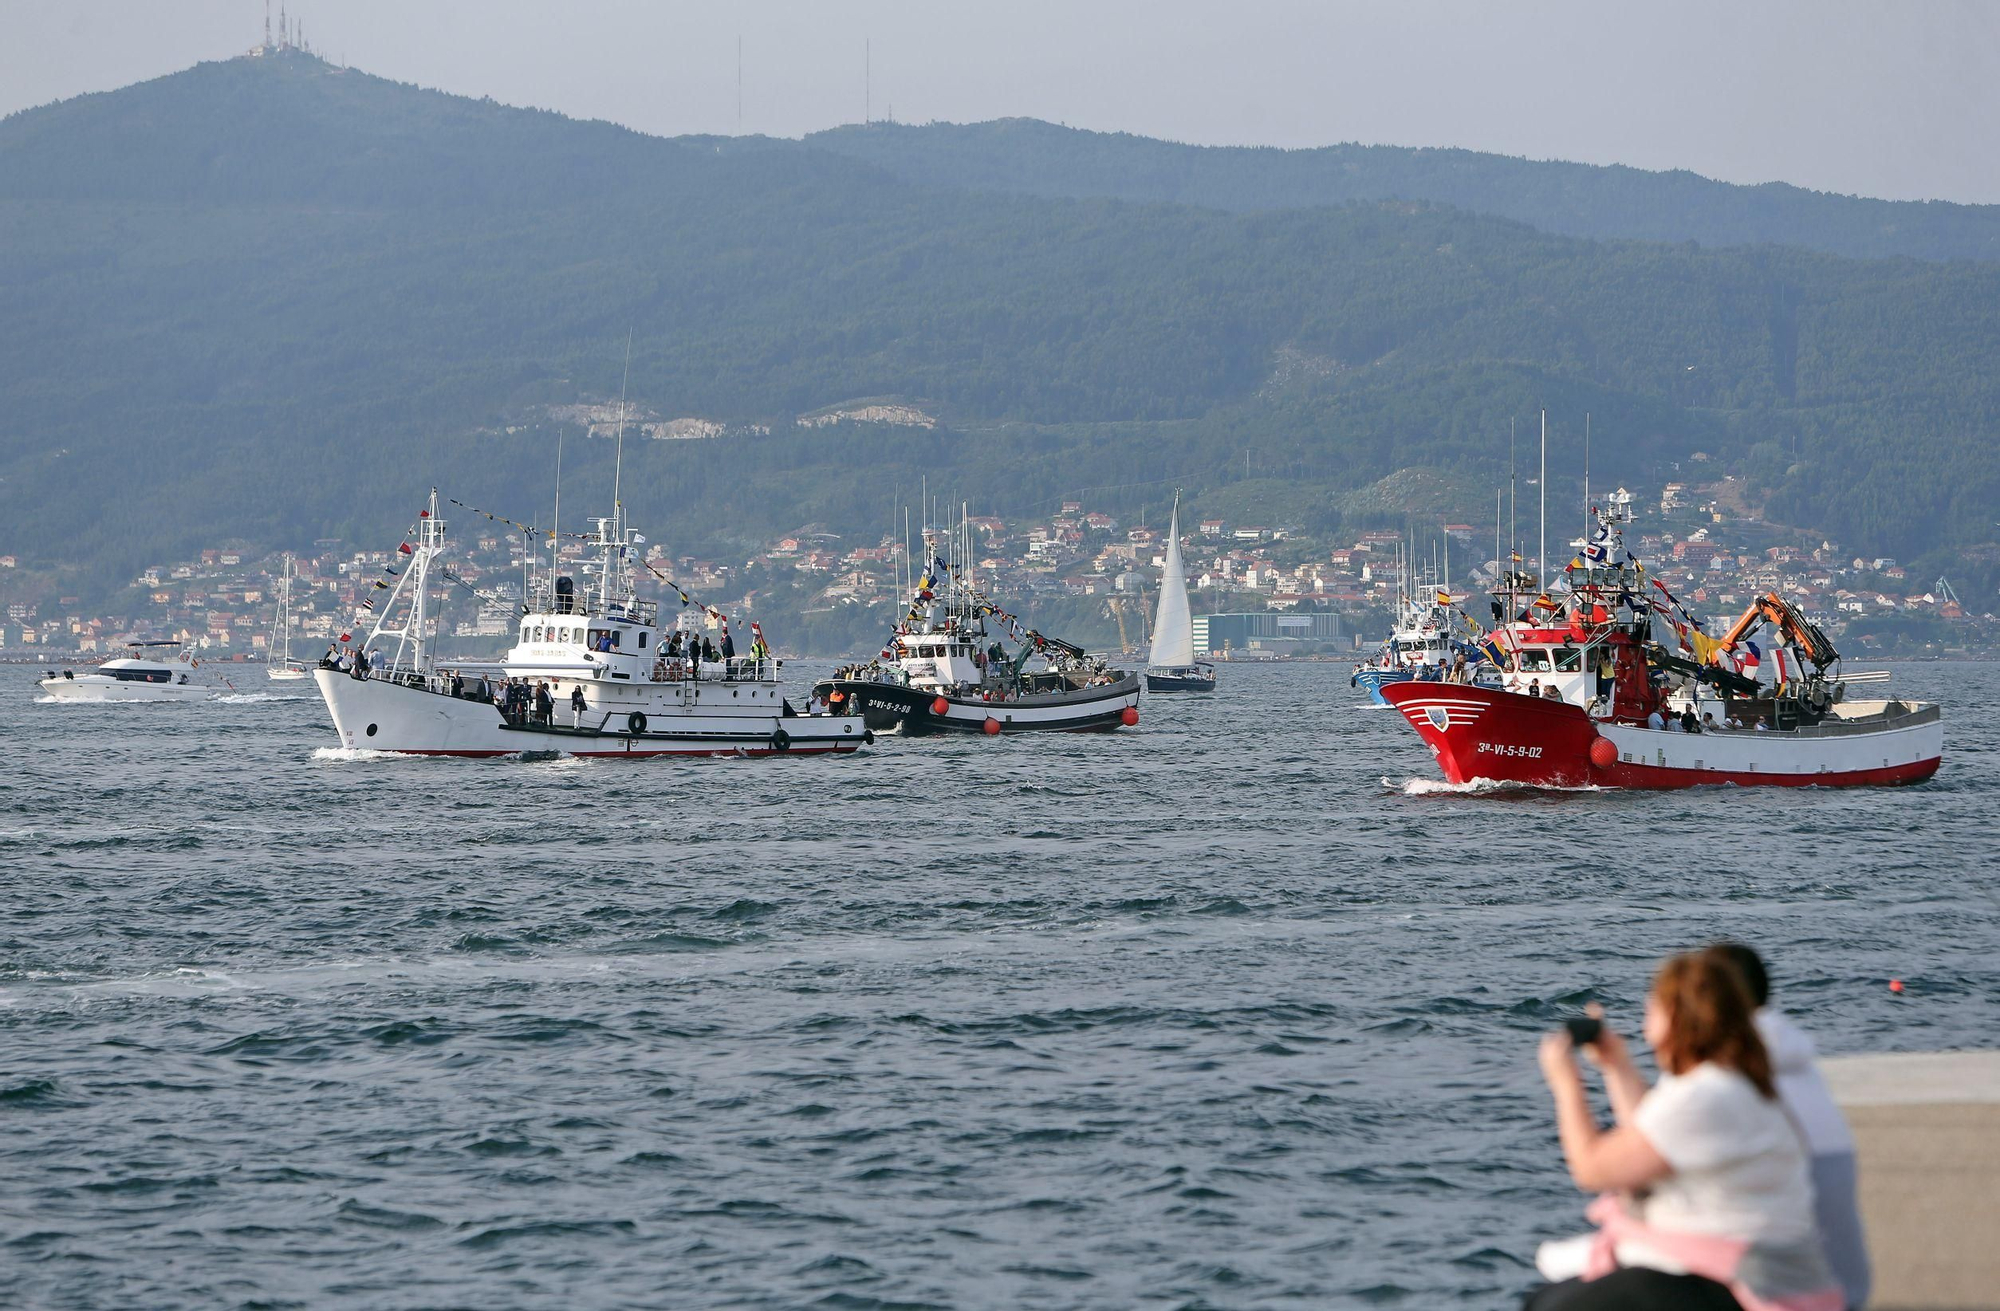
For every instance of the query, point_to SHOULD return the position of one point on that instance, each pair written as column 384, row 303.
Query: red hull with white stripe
column 1480, row 733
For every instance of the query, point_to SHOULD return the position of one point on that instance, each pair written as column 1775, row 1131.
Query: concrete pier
column 1927, row 1134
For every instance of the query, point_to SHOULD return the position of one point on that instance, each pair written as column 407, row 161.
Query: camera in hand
column 1583, row 1030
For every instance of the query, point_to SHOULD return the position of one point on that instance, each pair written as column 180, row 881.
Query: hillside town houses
column 222, row 600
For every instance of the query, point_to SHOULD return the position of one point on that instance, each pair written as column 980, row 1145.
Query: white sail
column 1173, row 626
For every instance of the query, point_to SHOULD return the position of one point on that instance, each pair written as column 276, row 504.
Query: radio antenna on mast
column 1586, row 475
column 618, row 462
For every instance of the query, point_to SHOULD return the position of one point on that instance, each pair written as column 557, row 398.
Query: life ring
column 635, row 723
column 781, row 741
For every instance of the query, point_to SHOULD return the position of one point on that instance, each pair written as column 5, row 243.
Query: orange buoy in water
column 1895, row 985
column 991, row 726
column 939, row 706
column 1603, row 753
column 1129, row 716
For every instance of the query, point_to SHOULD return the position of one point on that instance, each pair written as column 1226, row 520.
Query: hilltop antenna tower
column 267, row 24
column 739, row 86
column 867, row 81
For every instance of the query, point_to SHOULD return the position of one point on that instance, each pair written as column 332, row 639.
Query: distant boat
column 944, row 670
column 155, row 671
column 621, row 682
column 1171, row 667
column 279, row 665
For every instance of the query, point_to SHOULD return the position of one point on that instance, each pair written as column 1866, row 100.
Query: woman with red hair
column 1707, row 1203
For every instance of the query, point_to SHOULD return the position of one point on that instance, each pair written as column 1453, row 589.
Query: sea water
column 1235, row 1009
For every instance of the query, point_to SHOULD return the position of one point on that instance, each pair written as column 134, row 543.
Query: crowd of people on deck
column 1728, row 1182
column 355, row 662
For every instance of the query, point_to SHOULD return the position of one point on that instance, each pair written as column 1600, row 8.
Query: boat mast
column 1513, row 521
column 555, row 532
column 618, row 462
column 1542, row 553
column 1586, row 477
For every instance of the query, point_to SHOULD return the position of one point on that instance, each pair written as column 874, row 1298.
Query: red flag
column 347, row 637
column 405, row 549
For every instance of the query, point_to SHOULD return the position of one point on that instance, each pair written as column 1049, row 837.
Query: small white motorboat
column 155, row 671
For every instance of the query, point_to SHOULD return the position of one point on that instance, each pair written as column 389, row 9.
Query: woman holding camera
column 1708, row 1205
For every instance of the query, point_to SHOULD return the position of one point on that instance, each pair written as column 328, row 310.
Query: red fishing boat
column 1592, row 696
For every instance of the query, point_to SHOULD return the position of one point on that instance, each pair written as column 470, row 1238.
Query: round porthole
column 371, row 730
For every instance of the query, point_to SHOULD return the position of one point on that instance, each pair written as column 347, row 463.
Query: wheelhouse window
column 1535, row 661
column 1569, row 660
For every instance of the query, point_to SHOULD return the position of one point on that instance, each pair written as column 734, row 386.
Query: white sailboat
column 1171, row 667
column 278, row 662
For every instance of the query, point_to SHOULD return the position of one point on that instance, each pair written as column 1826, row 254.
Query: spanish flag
column 1444, row 597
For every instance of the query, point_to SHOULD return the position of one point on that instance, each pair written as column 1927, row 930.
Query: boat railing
column 1905, row 717
column 736, row 669
column 1895, row 715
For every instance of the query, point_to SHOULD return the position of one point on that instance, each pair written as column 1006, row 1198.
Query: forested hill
column 1030, row 157
column 273, row 300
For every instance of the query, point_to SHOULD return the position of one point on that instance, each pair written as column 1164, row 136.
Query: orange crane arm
column 1783, row 616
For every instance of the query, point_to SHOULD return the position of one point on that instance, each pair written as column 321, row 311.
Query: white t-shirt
column 1739, row 1167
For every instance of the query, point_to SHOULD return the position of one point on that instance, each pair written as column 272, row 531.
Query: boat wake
column 1479, row 787
column 348, row 755
column 252, row 698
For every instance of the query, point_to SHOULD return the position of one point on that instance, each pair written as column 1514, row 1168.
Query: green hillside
column 273, row 300
column 1030, row 157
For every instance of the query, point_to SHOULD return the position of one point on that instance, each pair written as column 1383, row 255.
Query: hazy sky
column 1897, row 100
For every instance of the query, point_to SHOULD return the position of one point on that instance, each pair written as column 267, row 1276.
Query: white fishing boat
column 1171, row 666
column 279, row 666
column 594, row 672
column 155, row 671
